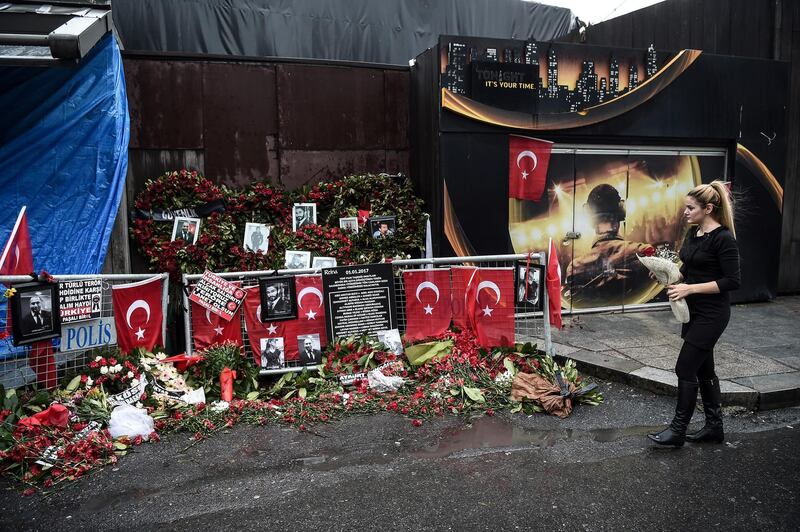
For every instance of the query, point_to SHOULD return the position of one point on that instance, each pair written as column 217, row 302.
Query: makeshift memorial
column 277, row 298
column 310, row 317
column 35, row 313
column 115, row 371
column 186, row 230
column 206, row 374
column 663, row 263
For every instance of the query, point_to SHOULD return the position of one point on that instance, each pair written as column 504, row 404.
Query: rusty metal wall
column 291, row 123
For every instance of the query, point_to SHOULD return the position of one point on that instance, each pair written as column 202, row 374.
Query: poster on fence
column 80, row 300
column 359, row 299
column 221, row 297
column 88, row 334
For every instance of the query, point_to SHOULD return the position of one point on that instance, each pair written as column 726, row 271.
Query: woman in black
column 710, row 270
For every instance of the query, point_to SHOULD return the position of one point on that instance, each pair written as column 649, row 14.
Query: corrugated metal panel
column 330, row 108
column 240, row 122
column 165, row 102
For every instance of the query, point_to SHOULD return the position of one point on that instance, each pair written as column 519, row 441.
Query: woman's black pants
column 695, row 363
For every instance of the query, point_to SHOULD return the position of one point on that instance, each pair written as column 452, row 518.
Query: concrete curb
column 763, row 392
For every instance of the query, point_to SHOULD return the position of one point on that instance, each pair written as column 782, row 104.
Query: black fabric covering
column 375, row 31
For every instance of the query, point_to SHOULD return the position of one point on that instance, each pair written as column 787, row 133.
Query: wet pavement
column 594, row 470
column 757, row 359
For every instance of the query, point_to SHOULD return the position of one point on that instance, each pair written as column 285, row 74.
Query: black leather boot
column 712, row 406
column 675, row 433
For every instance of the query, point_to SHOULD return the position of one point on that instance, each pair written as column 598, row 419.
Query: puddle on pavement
column 494, row 433
column 482, row 433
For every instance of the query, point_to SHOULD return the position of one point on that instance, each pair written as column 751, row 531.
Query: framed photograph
column 391, row 339
column 349, row 224
column 35, row 312
column 323, row 262
column 303, row 214
column 309, row 348
column 278, row 301
column 186, row 229
column 298, row 260
column 530, row 286
column 382, row 226
column 256, row 238
column 272, row 353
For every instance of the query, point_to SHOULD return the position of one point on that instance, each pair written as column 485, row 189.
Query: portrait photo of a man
column 309, row 347
column 298, row 260
column 349, row 224
column 277, row 298
column 34, row 312
column 186, row 229
column 303, row 214
column 323, row 262
column 37, row 318
column 529, row 284
column 391, row 339
column 272, row 353
column 382, row 226
column 256, row 238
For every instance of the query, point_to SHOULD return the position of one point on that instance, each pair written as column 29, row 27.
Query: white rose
column 118, row 368
column 98, row 358
column 89, row 382
column 135, row 382
column 103, row 370
column 161, row 356
column 130, row 374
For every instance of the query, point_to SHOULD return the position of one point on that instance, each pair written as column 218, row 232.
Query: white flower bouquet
column 664, row 266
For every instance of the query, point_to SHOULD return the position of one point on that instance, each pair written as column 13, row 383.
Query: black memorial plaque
column 359, row 299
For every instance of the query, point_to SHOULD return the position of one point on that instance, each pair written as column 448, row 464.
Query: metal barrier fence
column 25, row 365
column 530, row 326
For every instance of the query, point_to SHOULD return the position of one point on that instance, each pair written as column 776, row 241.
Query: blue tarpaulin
column 64, row 135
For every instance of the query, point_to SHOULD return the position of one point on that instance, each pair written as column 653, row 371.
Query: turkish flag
column 363, row 216
column 310, row 315
column 138, row 315
column 428, row 303
column 460, row 278
column 256, row 329
column 528, row 160
column 553, row 286
column 17, row 257
column 209, row 328
column 490, row 302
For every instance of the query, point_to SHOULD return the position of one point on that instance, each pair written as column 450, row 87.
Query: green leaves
column 474, row 394
column 419, row 354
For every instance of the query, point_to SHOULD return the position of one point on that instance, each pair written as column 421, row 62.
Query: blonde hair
column 719, row 197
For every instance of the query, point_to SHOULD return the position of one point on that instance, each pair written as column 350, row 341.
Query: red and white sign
column 221, row 297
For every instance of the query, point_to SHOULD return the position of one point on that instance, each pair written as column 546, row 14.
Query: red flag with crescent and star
column 17, row 257
column 490, row 303
column 528, row 159
column 310, row 314
column 209, row 328
column 363, row 216
column 256, row 329
column 460, row 276
column 138, row 315
column 553, row 286
column 428, row 303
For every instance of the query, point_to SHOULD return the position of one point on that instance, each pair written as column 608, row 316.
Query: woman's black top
column 713, row 256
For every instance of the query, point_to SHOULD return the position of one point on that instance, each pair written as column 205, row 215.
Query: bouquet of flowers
column 663, row 264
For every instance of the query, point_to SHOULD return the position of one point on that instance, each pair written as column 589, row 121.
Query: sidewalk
column 757, row 359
